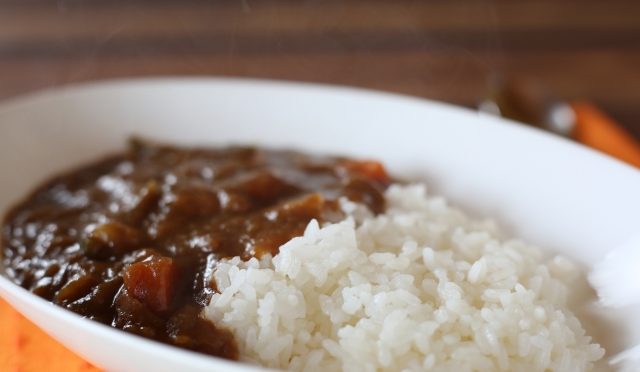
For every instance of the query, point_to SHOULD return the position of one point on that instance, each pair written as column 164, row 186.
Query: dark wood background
column 440, row 49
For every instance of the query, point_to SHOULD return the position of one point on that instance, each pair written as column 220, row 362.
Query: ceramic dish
column 554, row 193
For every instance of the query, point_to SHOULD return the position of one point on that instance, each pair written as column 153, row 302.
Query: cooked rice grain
column 419, row 287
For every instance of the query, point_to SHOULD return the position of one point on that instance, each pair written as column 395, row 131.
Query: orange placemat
column 25, row 348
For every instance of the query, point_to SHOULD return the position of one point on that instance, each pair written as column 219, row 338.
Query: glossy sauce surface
column 132, row 240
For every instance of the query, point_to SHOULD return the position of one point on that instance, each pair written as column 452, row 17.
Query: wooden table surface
column 440, row 49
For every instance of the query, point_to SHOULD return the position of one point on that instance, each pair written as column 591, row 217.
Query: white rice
column 420, row 287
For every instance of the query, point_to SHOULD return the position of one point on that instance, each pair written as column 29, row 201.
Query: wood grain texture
column 439, row 49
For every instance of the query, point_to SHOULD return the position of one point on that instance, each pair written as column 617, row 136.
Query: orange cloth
column 25, row 348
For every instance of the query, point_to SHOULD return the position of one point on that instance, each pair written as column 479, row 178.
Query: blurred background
column 449, row 50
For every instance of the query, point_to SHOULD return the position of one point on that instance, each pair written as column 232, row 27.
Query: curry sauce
column 132, row 240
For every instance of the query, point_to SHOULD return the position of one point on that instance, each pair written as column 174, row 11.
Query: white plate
column 549, row 191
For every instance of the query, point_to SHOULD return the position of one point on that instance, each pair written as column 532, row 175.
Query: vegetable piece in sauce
column 153, row 282
column 371, row 169
column 112, row 239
